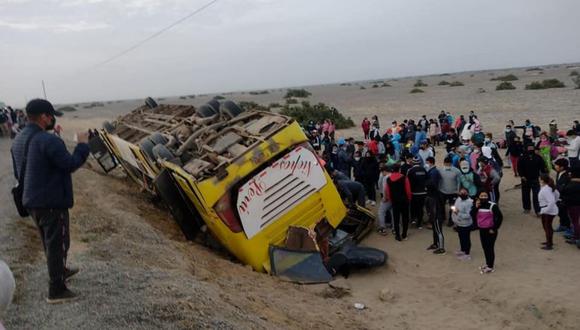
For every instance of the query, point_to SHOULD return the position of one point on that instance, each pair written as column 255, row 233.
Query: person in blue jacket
column 47, row 188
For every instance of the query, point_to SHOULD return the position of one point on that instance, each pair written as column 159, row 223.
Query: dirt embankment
column 138, row 272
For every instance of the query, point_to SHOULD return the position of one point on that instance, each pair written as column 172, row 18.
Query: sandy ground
column 138, row 272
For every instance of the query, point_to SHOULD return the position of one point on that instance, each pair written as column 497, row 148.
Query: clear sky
column 252, row 44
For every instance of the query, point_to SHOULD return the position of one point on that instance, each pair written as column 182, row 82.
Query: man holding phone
column 46, row 167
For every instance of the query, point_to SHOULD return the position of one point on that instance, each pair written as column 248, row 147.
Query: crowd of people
column 11, row 121
column 396, row 169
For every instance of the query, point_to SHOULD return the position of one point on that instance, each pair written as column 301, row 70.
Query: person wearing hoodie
column 370, row 176
column 343, row 161
column 530, row 167
column 571, row 198
column 515, row 150
column 432, row 207
column 463, row 222
column 396, row 141
column 562, row 179
column 399, row 191
column 417, row 178
column 448, row 188
column 547, row 197
column 573, row 148
column 488, row 218
column 469, row 179
column 490, row 170
column 385, row 207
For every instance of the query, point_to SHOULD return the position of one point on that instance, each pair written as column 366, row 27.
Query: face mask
column 487, row 140
column 508, row 130
column 447, row 167
column 427, row 166
column 463, row 197
column 465, row 169
column 334, row 151
column 51, row 125
column 357, row 158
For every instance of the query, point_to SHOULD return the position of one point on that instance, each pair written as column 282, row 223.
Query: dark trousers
column 464, row 239
column 417, row 205
column 401, row 214
column 443, row 200
column 547, row 224
column 371, row 191
column 488, row 245
column 574, row 213
column 53, row 226
column 532, row 187
column 432, row 206
column 563, row 215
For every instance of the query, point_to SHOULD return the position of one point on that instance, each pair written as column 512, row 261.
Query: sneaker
column 405, row 237
column 561, row 229
column 383, row 231
column 70, row 272
column 459, row 253
column 413, row 222
column 64, row 296
column 465, row 257
column 547, row 247
column 439, row 252
column 571, row 241
column 432, row 247
column 486, row 270
column 398, row 238
column 420, row 227
column 567, row 236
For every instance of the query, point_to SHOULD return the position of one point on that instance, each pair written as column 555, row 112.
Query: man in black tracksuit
column 530, row 167
column 417, row 177
column 47, row 188
column 433, row 207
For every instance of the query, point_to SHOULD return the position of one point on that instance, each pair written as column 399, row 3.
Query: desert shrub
column 503, row 86
column 297, row 93
column 574, row 73
column 250, row 105
column 67, row 109
column 183, row 97
column 363, row 87
column 385, row 85
column 161, row 99
column 443, row 83
column 509, row 77
column 456, row 84
column 345, row 84
column 192, row 96
column 306, row 112
column 375, row 86
column 416, row 90
column 291, row 101
column 219, row 97
column 259, row 92
column 545, row 84
column 535, row 69
column 481, row 90
column 576, row 81
column 420, row 83
column 274, row 105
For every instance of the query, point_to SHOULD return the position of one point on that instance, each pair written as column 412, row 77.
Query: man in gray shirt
column 448, row 188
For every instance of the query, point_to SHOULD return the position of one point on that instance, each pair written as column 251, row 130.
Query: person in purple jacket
column 488, row 218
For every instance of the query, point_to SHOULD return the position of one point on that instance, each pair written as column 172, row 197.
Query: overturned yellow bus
column 245, row 177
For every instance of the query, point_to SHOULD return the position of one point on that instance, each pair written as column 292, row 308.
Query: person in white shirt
column 463, row 222
column 7, row 286
column 573, row 148
column 547, row 197
column 385, row 204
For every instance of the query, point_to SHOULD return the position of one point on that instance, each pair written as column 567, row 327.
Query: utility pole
column 44, row 89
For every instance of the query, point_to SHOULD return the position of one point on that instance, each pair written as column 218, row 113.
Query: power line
column 155, row 35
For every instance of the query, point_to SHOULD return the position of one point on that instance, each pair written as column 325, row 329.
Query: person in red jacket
column 366, row 127
column 399, row 190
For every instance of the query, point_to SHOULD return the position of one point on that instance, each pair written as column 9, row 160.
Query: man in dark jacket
column 47, row 190
column 399, row 191
column 530, row 167
column 417, row 178
column 562, row 180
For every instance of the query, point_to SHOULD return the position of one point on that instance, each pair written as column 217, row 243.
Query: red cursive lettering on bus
column 255, row 188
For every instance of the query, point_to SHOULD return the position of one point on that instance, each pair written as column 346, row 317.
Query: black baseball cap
column 40, row 106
